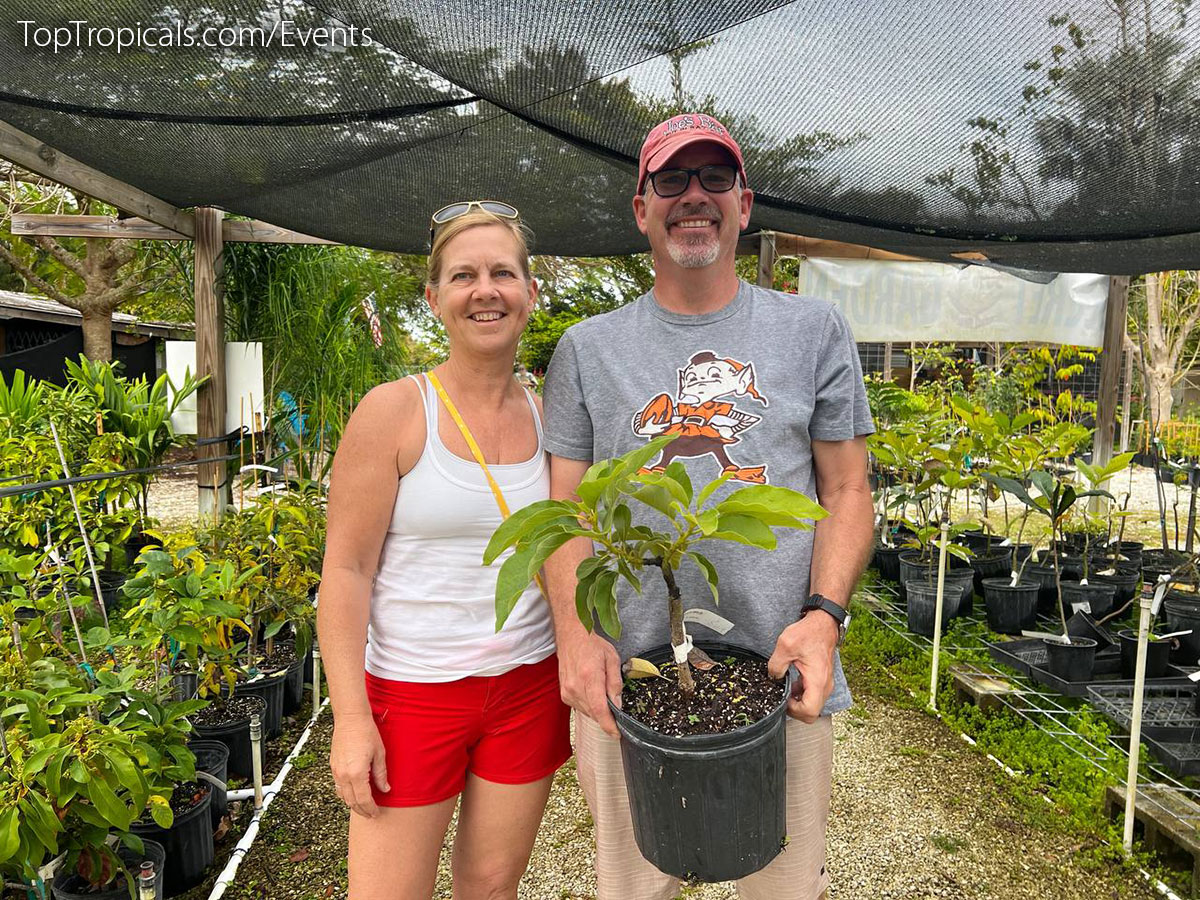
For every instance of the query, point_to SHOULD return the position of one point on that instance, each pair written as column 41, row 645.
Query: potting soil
column 732, row 694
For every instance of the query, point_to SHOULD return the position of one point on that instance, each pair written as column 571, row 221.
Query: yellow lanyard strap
column 478, row 454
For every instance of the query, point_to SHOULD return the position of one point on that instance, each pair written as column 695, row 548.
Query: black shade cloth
column 1047, row 136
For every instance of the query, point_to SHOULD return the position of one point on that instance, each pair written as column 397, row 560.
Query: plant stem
column 675, row 607
column 1062, row 613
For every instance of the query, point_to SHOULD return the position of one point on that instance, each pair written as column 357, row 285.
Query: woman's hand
column 356, row 758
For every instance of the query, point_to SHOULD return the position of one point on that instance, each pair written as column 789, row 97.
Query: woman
column 429, row 702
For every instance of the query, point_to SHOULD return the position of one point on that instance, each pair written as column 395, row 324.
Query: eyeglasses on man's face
column 715, row 179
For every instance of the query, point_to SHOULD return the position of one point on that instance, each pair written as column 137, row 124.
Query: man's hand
column 809, row 644
column 589, row 673
column 356, row 757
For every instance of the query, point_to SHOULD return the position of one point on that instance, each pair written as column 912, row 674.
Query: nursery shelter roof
column 1040, row 134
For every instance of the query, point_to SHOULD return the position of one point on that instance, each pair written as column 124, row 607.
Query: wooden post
column 766, row 259
column 887, row 360
column 1127, row 400
column 1110, row 367
column 210, row 358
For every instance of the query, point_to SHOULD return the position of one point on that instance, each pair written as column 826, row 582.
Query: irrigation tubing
column 103, row 476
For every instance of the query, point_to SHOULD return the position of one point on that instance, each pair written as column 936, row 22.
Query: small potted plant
column 718, row 713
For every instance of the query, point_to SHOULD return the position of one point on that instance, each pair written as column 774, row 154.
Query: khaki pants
column 798, row 873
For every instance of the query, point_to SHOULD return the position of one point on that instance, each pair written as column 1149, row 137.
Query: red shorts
column 508, row 729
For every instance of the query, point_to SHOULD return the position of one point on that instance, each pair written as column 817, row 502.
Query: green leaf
column 160, row 811
column 707, row 521
column 10, row 835
column 663, row 480
column 678, row 473
column 656, row 496
column 518, row 571
column 524, row 523
column 775, row 499
column 108, row 804
column 1043, row 481
column 744, row 530
column 708, row 489
column 603, row 599
column 708, row 570
column 583, row 588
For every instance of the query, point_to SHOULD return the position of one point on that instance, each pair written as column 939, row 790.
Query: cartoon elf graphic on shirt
column 704, row 425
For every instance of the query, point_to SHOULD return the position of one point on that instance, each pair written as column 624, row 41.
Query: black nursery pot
column 1098, row 597
column 1158, row 655
column 236, row 736
column 68, row 885
column 1075, row 661
column 1183, row 612
column 994, row 565
column 887, row 562
column 708, row 807
column 922, row 607
column 1124, row 583
column 212, row 757
column 1010, row 609
column 1047, row 589
column 270, row 688
column 188, row 843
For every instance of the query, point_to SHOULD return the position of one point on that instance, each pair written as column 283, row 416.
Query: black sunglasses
column 452, row 211
column 714, row 179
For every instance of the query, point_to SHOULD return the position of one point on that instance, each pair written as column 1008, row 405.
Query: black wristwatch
column 818, row 601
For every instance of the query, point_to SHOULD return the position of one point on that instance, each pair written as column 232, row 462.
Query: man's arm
column 842, row 546
column 589, row 669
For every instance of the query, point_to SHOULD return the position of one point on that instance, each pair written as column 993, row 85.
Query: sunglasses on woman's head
column 452, row 211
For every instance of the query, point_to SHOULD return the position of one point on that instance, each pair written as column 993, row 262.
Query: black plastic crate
column 1168, row 708
column 1181, row 757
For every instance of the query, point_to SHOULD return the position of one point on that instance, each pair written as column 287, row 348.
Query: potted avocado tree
column 1070, row 658
column 702, row 738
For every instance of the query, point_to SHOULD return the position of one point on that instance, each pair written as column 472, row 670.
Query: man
column 760, row 385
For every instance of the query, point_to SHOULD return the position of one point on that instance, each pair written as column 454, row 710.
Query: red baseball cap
column 668, row 138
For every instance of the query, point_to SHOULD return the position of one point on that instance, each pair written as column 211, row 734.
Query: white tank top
column 433, row 603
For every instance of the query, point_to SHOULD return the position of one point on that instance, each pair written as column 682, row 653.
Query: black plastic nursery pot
column 912, row 567
column 188, row 844
column 1010, row 609
column 922, row 607
column 976, row 541
column 1183, row 612
column 1047, row 590
column 1075, row 661
column 270, row 687
column 708, row 807
column 69, row 886
column 1124, row 583
column 993, row 565
column 1094, row 597
column 887, row 562
column 212, row 757
column 964, row 581
column 236, row 736
column 1158, row 655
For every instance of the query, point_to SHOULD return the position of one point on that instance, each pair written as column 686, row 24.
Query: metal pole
column 937, row 613
column 1135, row 726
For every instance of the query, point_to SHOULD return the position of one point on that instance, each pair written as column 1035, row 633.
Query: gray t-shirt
column 747, row 388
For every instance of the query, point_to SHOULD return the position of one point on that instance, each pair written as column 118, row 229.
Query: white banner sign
column 910, row 301
column 243, row 383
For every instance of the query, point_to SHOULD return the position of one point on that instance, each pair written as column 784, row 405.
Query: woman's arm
column 375, row 448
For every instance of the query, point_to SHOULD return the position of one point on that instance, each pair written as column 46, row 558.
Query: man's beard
column 694, row 256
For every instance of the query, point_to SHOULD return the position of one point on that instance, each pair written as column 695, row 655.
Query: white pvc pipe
column 87, row 544
column 256, row 761
column 937, row 613
column 1135, row 725
column 316, row 679
column 243, row 846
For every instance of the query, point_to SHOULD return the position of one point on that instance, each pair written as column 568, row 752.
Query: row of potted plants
column 98, row 722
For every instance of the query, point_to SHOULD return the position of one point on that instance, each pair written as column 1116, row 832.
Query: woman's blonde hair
column 473, row 219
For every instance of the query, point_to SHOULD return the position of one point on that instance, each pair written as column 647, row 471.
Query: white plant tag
column 1083, row 581
column 1085, row 606
column 681, row 651
column 1195, row 676
column 1160, row 591
column 1006, row 542
column 708, row 619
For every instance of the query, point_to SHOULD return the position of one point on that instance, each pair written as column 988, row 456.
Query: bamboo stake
column 1148, row 600
column 87, row 544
